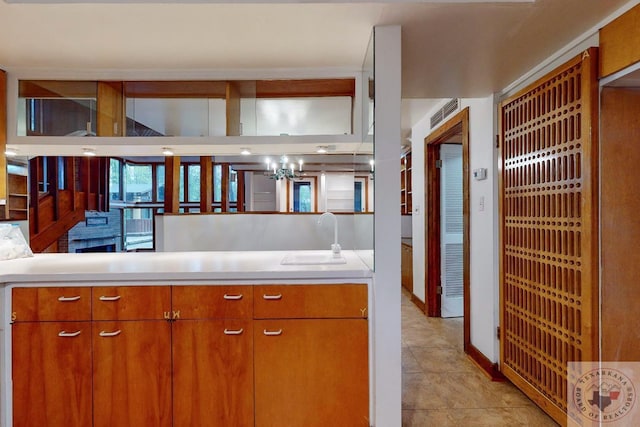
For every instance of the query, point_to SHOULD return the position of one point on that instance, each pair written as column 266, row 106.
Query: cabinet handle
column 233, row 332
column 106, row 298
column 273, row 333
column 232, row 297
column 110, row 334
column 272, row 297
column 66, row 334
column 68, row 299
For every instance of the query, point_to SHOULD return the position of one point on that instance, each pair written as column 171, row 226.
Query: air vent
column 448, row 108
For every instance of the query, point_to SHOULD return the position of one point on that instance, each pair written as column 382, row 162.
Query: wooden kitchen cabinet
column 132, row 373
column 407, row 267
column 311, row 372
column 52, row 374
column 213, row 356
column 311, row 355
column 131, row 356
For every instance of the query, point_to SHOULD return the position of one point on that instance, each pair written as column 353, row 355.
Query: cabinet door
column 51, row 374
column 132, row 374
column 213, row 373
column 311, row 373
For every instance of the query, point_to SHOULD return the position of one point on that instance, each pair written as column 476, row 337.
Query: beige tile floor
column 442, row 387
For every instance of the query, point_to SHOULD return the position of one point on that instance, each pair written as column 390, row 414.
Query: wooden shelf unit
column 18, row 199
column 406, row 205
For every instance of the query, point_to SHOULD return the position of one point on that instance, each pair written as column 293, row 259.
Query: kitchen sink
column 312, row 259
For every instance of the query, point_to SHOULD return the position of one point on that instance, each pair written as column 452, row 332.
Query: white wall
column 260, row 232
column 483, row 231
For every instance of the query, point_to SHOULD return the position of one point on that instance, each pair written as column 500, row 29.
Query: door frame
column 457, row 124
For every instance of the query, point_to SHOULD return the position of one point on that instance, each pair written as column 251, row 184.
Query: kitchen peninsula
column 183, row 339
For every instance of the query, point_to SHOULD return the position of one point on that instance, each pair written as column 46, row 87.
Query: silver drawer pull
column 233, row 331
column 272, row 297
column 232, row 297
column 110, row 334
column 68, row 299
column 273, row 333
column 106, row 298
column 66, row 334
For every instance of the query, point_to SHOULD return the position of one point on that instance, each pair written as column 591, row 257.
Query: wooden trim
column 206, row 184
column 492, row 370
column 57, row 89
column 224, row 189
column 176, row 89
column 620, row 43
column 457, row 124
column 421, row 305
column 305, row 88
column 4, row 191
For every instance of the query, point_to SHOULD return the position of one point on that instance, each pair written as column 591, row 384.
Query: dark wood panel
column 620, row 204
column 620, row 42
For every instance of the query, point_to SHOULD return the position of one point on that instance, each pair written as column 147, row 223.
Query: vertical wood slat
column 4, row 212
column 548, row 214
column 206, row 184
column 172, row 184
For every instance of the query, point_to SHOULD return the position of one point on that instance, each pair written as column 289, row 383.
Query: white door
column 451, row 230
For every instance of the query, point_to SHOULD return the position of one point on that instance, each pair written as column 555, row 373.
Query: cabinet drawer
column 310, row 301
column 51, row 304
column 131, row 302
column 213, row 302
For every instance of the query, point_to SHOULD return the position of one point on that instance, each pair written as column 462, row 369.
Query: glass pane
column 302, row 197
column 115, row 173
column 160, row 183
column 62, row 173
column 56, row 108
column 181, row 196
column 194, row 183
column 330, row 115
column 357, row 206
column 217, row 183
column 233, row 185
column 138, row 183
column 176, row 117
column 138, row 228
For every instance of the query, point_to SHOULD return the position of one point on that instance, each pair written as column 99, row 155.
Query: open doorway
column 447, row 222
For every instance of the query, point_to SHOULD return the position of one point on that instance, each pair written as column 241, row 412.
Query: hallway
column 442, row 387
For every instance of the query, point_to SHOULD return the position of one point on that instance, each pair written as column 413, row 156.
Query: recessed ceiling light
column 167, row 151
column 89, row 152
column 245, row 151
column 321, row 149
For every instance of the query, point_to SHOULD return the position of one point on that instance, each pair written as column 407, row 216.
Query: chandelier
column 285, row 170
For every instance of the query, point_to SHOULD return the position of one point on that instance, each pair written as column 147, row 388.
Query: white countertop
column 176, row 266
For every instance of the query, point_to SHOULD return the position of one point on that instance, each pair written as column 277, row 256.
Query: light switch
column 480, row 174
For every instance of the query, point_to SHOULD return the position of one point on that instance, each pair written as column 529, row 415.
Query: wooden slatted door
column 548, row 214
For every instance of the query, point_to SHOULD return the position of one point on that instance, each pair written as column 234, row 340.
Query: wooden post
column 233, row 110
column 172, row 184
column 206, row 184
column 240, row 198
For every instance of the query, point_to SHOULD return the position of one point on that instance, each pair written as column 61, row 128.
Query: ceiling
column 450, row 49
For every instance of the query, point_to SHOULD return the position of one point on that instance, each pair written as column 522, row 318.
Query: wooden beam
column 172, row 184
column 176, row 89
column 110, row 108
column 305, row 88
column 57, row 89
column 206, row 184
